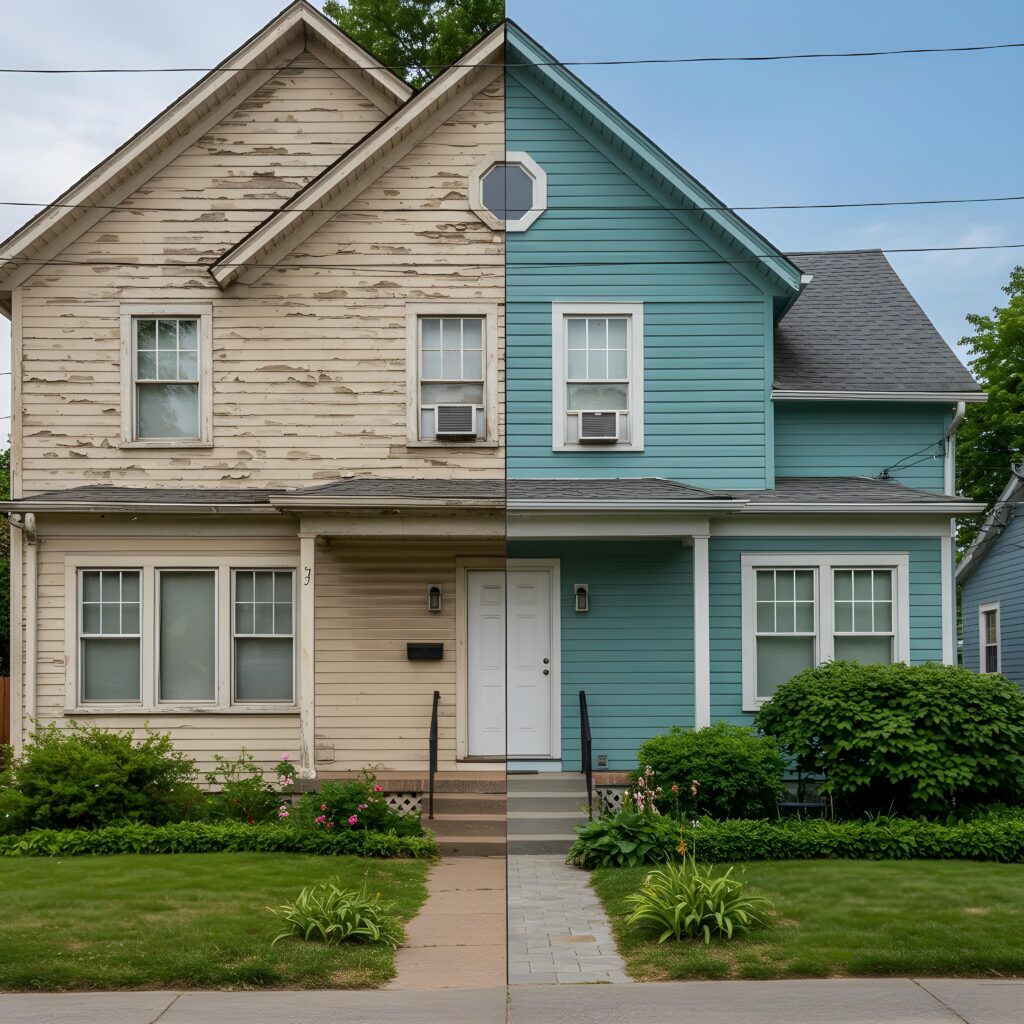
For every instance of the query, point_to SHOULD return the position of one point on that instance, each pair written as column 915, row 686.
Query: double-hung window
column 988, row 634
column 166, row 369
column 264, row 635
column 110, row 635
column 597, row 378
column 800, row 610
column 452, row 387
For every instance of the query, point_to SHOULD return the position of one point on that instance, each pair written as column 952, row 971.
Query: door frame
column 463, row 566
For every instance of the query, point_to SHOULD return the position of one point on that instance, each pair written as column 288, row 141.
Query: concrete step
column 556, row 801
column 547, row 782
column 472, row 846
column 533, row 844
column 540, row 823
column 467, row 824
column 468, row 803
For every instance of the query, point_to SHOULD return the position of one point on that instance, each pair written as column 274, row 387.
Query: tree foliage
column 991, row 438
column 417, row 39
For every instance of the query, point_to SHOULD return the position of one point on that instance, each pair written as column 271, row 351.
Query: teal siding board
column 633, row 651
column 707, row 325
column 862, row 439
column 726, row 636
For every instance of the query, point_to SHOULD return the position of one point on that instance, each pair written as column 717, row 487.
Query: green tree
column 417, row 39
column 991, row 437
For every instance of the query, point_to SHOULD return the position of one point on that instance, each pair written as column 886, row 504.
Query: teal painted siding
column 707, row 326
column 862, row 439
column 633, row 651
column 726, row 646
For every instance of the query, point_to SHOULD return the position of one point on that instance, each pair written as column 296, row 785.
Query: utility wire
column 730, row 59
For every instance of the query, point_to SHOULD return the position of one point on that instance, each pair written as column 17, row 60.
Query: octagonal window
column 509, row 191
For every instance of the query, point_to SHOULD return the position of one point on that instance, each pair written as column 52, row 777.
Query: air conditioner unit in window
column 456, row 423
column 599, row 427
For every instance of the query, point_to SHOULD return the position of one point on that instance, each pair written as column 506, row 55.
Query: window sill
column 597, row 447
column 190, row 443
column 185, row 709
column 451, row 444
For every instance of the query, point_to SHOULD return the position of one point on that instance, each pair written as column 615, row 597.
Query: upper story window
column 508, row 191
column 166, row 376
column 597, row 375
column 452, row 370
column 988, row 634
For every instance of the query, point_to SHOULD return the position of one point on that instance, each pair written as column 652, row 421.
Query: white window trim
column 293, row 635
column 414, row 311
column 204, row 314
column 150, row 703
column 824, row 563
column 560, row 373
column 540, row 189
column 993, row 606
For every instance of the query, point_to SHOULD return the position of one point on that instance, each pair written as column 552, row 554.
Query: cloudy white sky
column 839, row 131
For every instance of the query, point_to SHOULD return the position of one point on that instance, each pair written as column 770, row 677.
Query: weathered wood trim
column 385, row 102
column 17, row 412
column 204, row 312
column 18, row 723
column 480, row 526
column 306, row 639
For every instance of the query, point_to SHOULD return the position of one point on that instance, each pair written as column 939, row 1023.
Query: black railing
column 433, row 752
column 587, row 752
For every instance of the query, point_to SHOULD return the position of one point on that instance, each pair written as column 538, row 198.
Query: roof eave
column 350, row 503
column 796, row 395
column 115, row 507
column 851, row 507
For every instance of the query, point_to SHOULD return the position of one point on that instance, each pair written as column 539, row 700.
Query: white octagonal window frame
column 540, row 190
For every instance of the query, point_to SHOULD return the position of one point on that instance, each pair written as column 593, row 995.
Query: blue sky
column 793, row 132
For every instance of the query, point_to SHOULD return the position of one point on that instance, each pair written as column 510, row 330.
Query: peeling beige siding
column 308, row 372
column 372, row 703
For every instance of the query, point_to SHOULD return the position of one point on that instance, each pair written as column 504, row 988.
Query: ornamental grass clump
column 325, row 912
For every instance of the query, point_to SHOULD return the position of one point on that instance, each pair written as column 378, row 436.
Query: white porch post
column 307, row 673
column 701, row 633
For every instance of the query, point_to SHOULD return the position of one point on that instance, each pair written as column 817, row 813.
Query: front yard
column 183, row 921
column 839, row 918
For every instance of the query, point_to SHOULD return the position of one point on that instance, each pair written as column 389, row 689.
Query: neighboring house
column 991, row 579
column 316, row 378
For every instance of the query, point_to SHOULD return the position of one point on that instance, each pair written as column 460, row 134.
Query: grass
column 183, row 921
column 843, row 918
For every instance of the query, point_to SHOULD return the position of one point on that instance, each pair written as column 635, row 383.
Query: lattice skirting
column 405, row 803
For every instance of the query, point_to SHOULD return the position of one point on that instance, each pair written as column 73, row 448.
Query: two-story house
column 329, row 395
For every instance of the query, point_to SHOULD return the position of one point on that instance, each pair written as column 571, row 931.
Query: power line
column 614, row 62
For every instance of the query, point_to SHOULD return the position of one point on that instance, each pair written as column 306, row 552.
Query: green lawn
column 183, row 921
column 837, row 918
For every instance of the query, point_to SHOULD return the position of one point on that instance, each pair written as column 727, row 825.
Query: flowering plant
column 357, row 803
column 644, row 794
column 242, row 791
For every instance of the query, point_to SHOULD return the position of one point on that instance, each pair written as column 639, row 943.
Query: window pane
column 617, row 333
column 110, row 618
column 577, row 365
column 883, row 585
column 803, row 585
column 451, row 334
column 597, row 334
column 473, row 333
column 188, row 366
column 452, row 394
column 862, row 584
column 188, row 334
column 129, row 586
column 283, row 619
column 843, row 585
column 577, row 332
column 844, row 617
column 243, row 617
column 263, row 669
column 244, row 584
column 765, row 616
column 766, row 585
column 600, row 397
column 145, row 334
column 472, row 365
column 990, row 627
column 804, row 621
column 168, row 410
column 862, row 620
column 90, row 618
column 779, row 659
column 868, row 650
column 110, row 586
column 91, row 585
column 991, row 659
column 129, row 618
column 597, row 365
column 264, row 586
column 784, row 585
column 167, row 365
column 451, row 365
column 146, row 366
column 110, row 670
column 167, row 335
column 430, row 334
column 617, row 364
column 507, row 191
column 188, row 643
column 784, row 617
column 264, row 618
column 431, row 366
column 883, row 616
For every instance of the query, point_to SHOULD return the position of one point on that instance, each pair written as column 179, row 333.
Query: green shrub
column 727, row 771
column 624, row 839
column 214, row 837
column 85, row 776
column 327, row 913
column 693, row 901
column 923, row 739
column 241, row 791
column 991, row 837
column 356, row 803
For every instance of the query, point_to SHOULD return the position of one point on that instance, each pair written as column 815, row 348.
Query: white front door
column 511, row 663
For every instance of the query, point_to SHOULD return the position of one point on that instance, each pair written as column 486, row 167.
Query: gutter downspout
column 948, row 547
column 27, row 524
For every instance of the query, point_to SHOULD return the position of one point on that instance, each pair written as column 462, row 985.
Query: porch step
column 468, row 803
column 556, row 800
column 466, row 824
column 472, row 846
column 543, row 810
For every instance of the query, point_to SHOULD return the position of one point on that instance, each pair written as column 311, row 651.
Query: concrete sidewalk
column 845, row 1001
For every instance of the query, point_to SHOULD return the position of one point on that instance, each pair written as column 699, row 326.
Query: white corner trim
column 560, row 371
column 948, row 598
column 539, row 202
column 992, row 606
column 701, row 632
column 305, row 594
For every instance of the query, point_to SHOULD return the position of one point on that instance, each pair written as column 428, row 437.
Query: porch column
column 701, row 633
column 307, row 620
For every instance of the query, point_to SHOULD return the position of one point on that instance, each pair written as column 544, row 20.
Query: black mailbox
column 425, row 652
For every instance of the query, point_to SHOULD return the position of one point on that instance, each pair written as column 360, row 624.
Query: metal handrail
column 587, row 752
column 433, row 751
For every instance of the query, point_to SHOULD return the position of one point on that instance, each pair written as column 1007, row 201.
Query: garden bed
column 184, row 921
column 844, row 918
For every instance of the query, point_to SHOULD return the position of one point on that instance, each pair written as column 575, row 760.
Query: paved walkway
column 458, row 938
column 557, row 929
column 861, row 1001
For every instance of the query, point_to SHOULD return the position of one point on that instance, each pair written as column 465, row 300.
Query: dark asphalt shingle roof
column 394, row 487
column 853, row 490
column 616, row 489
column 855, row 327
column 105, row 494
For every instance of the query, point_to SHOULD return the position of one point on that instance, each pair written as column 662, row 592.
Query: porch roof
column 851, row 493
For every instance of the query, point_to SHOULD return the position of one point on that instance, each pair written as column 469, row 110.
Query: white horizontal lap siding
column 308, row 367
column 372, row 703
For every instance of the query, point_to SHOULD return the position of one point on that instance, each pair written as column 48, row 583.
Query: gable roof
column 995, row 522
column 756, row 255
column 298, row 27
column 312, row 205
column 856, row 331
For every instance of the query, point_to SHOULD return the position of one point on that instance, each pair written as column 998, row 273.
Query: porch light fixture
column 435, row 600
column 581, row 591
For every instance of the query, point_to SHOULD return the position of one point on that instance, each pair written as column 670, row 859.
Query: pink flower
column 378, row 789
column 330, row 824
column 675, row 789
column 284, row 757
column 282, row 811
column 361, row 807
column 354, row 820
column 323, row 807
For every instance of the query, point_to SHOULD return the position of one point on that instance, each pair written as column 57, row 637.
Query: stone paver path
column 557, row 929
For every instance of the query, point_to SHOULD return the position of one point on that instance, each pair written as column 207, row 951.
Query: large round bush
column 922, row 739
column 738, row 772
